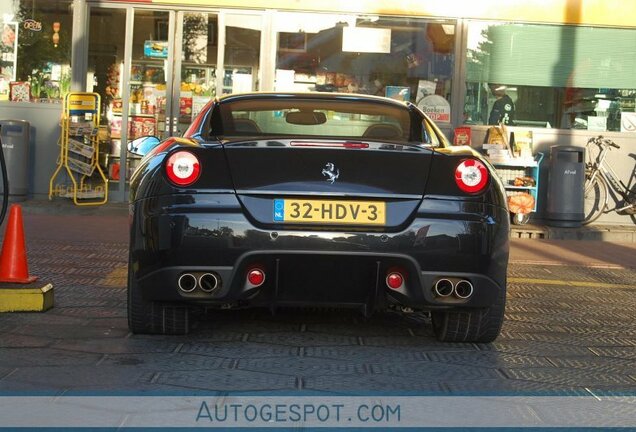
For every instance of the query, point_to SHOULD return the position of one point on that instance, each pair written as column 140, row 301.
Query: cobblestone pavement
column 568, row 329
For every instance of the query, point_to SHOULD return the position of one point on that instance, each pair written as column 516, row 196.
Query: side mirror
column 143, row 145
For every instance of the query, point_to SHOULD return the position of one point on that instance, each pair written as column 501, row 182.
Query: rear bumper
column 311, row 267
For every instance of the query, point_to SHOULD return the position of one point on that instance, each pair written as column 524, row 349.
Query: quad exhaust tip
column 187, row 282
column 444, row 287
column 208, row 282
column 463, row 289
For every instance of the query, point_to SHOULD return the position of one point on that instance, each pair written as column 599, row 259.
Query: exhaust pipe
column 443, row 287
column 208, row 282
column 463, row 289
column 187, row 282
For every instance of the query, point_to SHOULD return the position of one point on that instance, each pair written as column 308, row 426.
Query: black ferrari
column 316, row 199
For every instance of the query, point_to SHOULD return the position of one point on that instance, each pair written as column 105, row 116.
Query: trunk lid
column 387, row 170
column 266, row 170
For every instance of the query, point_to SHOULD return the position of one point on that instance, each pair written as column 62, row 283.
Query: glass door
column 215, row 54
column 106, row 59
column 195, row 67
column 150, row 72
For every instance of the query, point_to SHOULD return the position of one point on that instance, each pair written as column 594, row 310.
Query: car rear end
column 318, row 213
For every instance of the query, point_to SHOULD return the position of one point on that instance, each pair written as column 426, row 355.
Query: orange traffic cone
column 13, row 260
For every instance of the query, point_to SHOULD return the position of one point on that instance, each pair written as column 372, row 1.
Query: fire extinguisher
column 5, row 183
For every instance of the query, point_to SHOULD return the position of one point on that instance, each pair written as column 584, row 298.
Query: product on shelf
column 521, row 203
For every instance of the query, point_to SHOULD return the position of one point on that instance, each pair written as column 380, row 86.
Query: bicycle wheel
column 595, row 199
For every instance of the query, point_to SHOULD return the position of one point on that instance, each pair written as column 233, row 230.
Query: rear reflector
column 256, row 276
column 346, row 144
column 471, row 176
column 183, row 168
column 394, row 280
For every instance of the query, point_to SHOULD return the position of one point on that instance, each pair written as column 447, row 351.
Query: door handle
column 175, row 125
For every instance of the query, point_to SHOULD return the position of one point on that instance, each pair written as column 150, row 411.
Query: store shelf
column 509, row 170
column 136, row 115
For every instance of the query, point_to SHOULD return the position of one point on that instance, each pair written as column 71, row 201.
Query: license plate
column 330, row 211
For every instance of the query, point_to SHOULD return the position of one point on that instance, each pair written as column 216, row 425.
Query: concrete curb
column 28, row 298
column 609, row 233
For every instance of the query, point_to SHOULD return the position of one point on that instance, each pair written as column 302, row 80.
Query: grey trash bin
column 566, row 186
column 15, row 145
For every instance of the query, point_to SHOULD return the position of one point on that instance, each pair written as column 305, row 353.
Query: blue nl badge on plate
column 279, row 210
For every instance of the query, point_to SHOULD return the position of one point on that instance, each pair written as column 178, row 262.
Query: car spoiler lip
column 225, row 140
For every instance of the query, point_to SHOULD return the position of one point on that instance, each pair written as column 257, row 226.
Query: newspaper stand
column 79, row 152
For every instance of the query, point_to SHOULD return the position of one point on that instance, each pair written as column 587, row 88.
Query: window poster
column 156, row 49
column 398, row 93
column 436, row 107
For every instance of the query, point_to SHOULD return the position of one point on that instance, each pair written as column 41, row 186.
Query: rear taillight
column 471, row 176
column 183, row 168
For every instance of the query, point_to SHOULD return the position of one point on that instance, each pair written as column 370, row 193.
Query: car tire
column 470, row 325
column 149, row 317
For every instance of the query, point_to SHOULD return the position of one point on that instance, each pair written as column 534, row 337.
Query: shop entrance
column 161, row 67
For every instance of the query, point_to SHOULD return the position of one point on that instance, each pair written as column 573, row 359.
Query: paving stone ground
column 574, row 338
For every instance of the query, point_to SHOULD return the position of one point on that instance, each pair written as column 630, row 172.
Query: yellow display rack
column 79, row 152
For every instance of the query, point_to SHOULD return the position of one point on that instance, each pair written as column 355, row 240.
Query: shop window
column 35, row 50
column 403, row 58
column 569, row 77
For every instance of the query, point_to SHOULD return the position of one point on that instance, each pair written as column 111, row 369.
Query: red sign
column 435, row 116
column 462, row 136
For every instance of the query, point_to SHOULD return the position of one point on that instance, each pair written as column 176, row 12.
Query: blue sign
column 279, row 210
column 156, row 49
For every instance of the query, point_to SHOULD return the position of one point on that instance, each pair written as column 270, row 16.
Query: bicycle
column 599, row 177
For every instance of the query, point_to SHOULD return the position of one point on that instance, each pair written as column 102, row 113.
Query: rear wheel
column 470, row 325
column 149, row 317
column 595, row 198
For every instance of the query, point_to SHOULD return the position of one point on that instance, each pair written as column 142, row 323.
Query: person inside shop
column 503, row 110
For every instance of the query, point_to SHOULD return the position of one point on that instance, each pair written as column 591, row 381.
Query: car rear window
column 315, row 118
